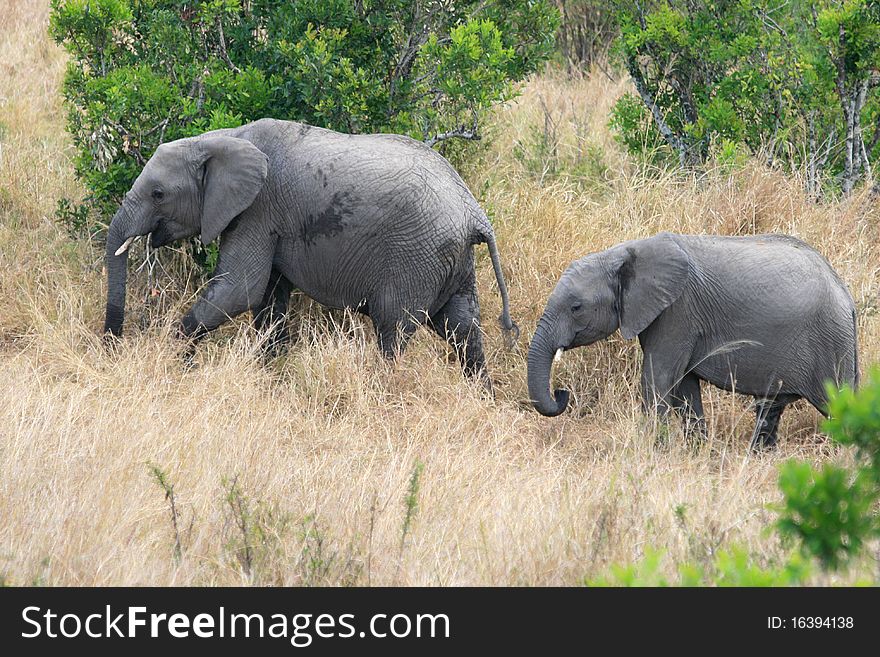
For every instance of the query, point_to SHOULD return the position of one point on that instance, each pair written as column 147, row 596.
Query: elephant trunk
column 540, row 362
column 118, row 239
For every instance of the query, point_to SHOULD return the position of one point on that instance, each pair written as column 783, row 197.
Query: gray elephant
column 765, row 316
column 379, row 223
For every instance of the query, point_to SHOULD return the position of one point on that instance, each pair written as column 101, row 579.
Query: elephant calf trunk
column 540, row 363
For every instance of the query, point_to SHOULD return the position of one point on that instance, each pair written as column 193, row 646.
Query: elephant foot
column 768, row 414
column 111, row 341
column 763, row 440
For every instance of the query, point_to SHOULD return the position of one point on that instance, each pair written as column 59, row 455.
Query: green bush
column 143, row 72
column 832, row 512
column 633, row 128
column 794, row 83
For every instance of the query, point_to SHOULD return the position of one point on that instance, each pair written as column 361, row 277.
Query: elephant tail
column 511, row 330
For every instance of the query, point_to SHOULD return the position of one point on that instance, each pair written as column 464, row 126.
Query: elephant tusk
column 558, row 356
column 127, row 243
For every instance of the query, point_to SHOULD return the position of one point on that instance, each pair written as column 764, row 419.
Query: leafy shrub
column 794, row 83
column 632, row 127
column 143, row 72
column 832, row 512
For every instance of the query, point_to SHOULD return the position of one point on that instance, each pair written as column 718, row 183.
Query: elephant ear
column 652, row 275
column 234, row 171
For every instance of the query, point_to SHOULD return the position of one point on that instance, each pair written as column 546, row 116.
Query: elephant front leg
column 688, row 403
column 227, row 296
column 662, row 375
column 240, row 282
column 658, row 383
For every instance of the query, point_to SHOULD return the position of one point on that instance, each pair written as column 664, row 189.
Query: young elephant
column 379, row 223
column 765, row 316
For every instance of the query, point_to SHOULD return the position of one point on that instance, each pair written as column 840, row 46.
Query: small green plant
column 728, row 568
column 631, row 125
column 315, row 561
column 854, row 421
column 642, row 573
column 730, row 155
column 261, row 535
column 239, row 507
column 161, row 478
column 74, row 218
column 828, row 511
column 590, row 170
column 410, row 507
column 411, row 501
column 41, row 578
column 737, row 568
column 320, row 562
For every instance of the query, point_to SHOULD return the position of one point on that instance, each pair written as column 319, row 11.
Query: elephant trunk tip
column 561, row 397
column 113, row 321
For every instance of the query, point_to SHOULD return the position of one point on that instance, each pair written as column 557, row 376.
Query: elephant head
column 625, row 287
column 193, row 186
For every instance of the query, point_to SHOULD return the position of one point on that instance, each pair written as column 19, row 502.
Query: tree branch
column 671, row 138
column 461, row 133
column 223, row 52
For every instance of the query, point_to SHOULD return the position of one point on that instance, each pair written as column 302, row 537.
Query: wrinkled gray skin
column 764, row 316
column 379, row 223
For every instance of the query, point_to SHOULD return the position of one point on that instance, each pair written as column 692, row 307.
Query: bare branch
column 223, row 52
column 461, row 132
column 129, row 140
column 671, row 138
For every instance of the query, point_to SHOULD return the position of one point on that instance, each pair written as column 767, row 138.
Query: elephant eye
column 576, row 307
column 158, row 194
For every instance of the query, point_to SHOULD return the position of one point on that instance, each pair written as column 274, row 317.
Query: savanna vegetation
column 329, row 465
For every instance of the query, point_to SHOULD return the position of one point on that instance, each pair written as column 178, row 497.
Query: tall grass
column 321, row 443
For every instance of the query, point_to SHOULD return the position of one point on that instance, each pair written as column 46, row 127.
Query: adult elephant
column 765, row 316
column 379, row 223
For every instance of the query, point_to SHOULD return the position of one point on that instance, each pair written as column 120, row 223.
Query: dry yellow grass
column 323, row 442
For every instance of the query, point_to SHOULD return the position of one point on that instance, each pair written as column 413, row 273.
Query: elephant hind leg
column 396, row 313
column 768, row 414
column 818, row 398
column 688, row 403
column 394, row 335
column 458, row 322
column 271, row 313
